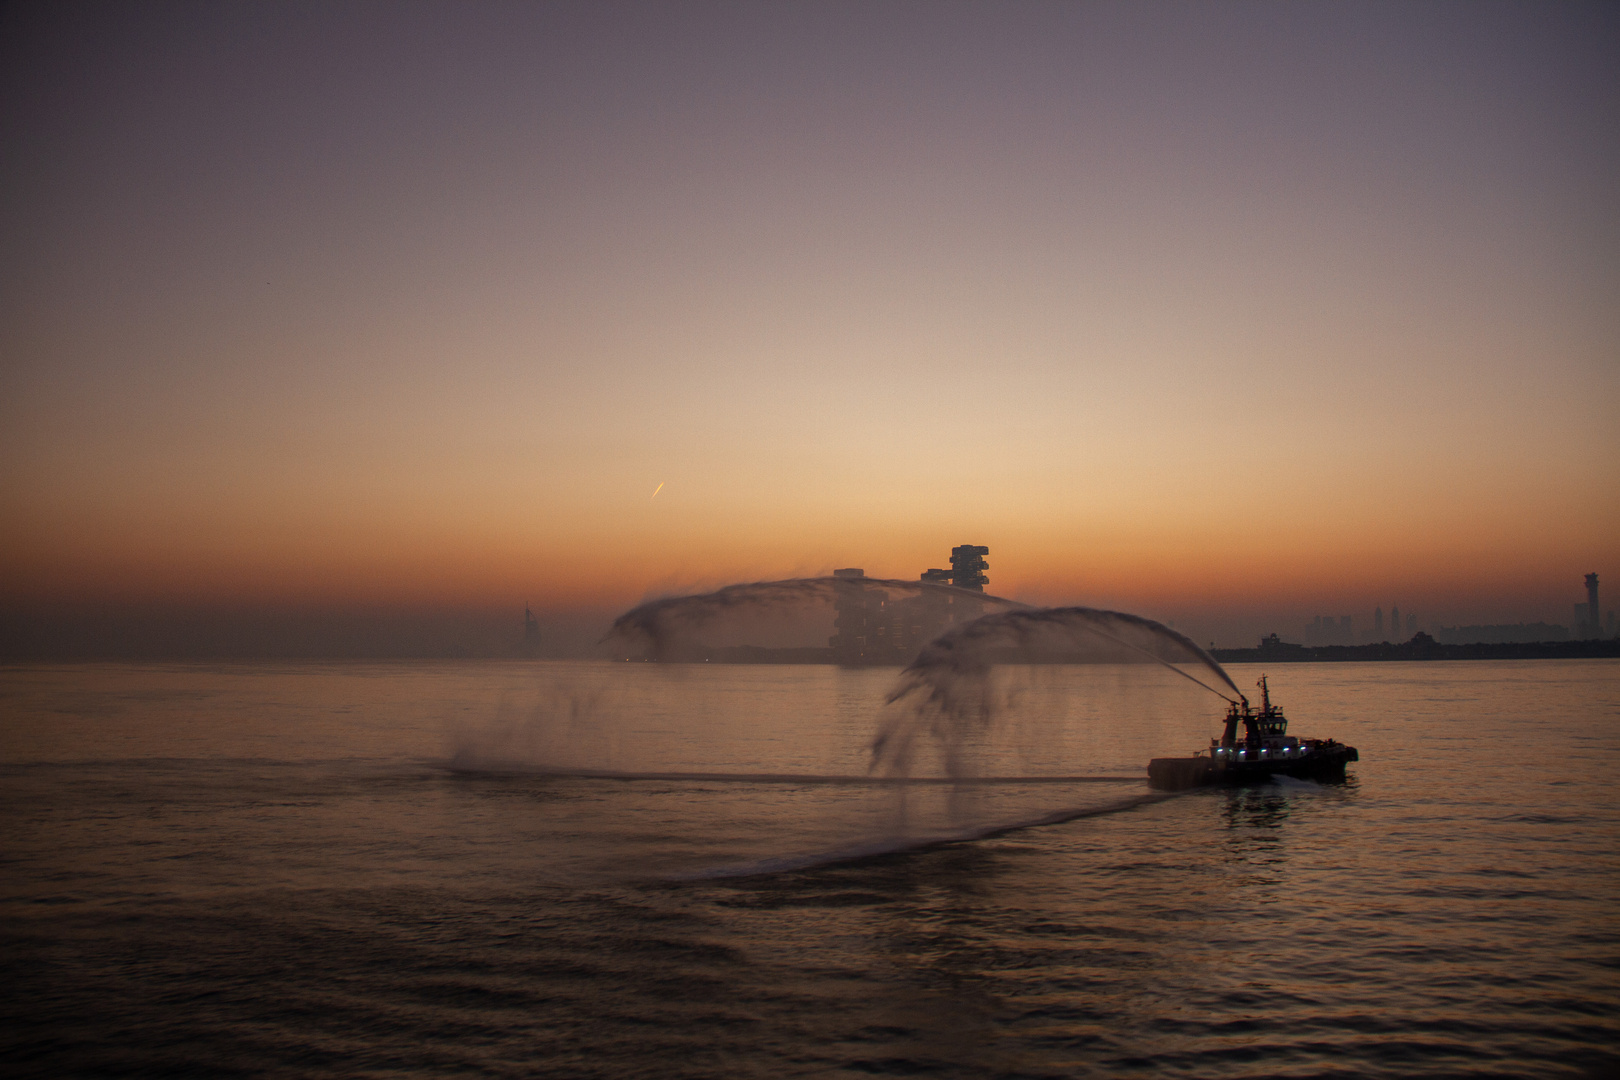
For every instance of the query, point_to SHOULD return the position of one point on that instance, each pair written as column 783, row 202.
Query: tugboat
column 1266, row 750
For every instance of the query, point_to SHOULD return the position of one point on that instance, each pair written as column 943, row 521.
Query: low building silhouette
column 872, row 626
column 1501, row 634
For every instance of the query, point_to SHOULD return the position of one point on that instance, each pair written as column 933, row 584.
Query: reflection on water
column 1268, row 805
column 260, row 870
column 1263, row 821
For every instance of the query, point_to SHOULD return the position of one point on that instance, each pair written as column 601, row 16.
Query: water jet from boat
column 657, row 625
column 946, row 694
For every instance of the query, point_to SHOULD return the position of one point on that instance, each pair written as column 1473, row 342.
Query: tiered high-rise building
column 968, row 567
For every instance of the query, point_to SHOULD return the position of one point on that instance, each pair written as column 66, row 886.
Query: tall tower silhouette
column 531, row 632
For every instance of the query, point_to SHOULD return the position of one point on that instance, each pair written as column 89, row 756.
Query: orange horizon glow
column 1156, row 573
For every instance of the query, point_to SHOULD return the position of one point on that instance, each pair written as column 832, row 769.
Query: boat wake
column 1281, row 780
column 461, row 768
column 911, row 844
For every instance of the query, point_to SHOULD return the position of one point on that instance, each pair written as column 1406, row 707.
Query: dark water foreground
column 254, row 871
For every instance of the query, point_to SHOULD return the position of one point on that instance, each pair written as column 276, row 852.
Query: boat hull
column 1179, row 774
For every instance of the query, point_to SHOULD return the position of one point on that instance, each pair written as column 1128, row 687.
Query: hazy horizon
column 222, row 630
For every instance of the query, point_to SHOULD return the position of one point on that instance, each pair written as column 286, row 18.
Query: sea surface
column 631, row 870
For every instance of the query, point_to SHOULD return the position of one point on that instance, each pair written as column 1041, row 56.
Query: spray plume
column 656, row 622
column 946, row 691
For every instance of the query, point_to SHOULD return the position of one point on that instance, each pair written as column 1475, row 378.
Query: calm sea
column 376, row 870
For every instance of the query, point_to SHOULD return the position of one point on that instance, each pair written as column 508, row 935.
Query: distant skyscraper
column 1395, row 620
column 1327, row 630
column 1378, row 623
column 1411, row 624
column 531, row 632
column 1594, row 616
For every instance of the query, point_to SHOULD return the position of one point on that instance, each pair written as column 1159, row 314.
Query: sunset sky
column 1223, row 313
